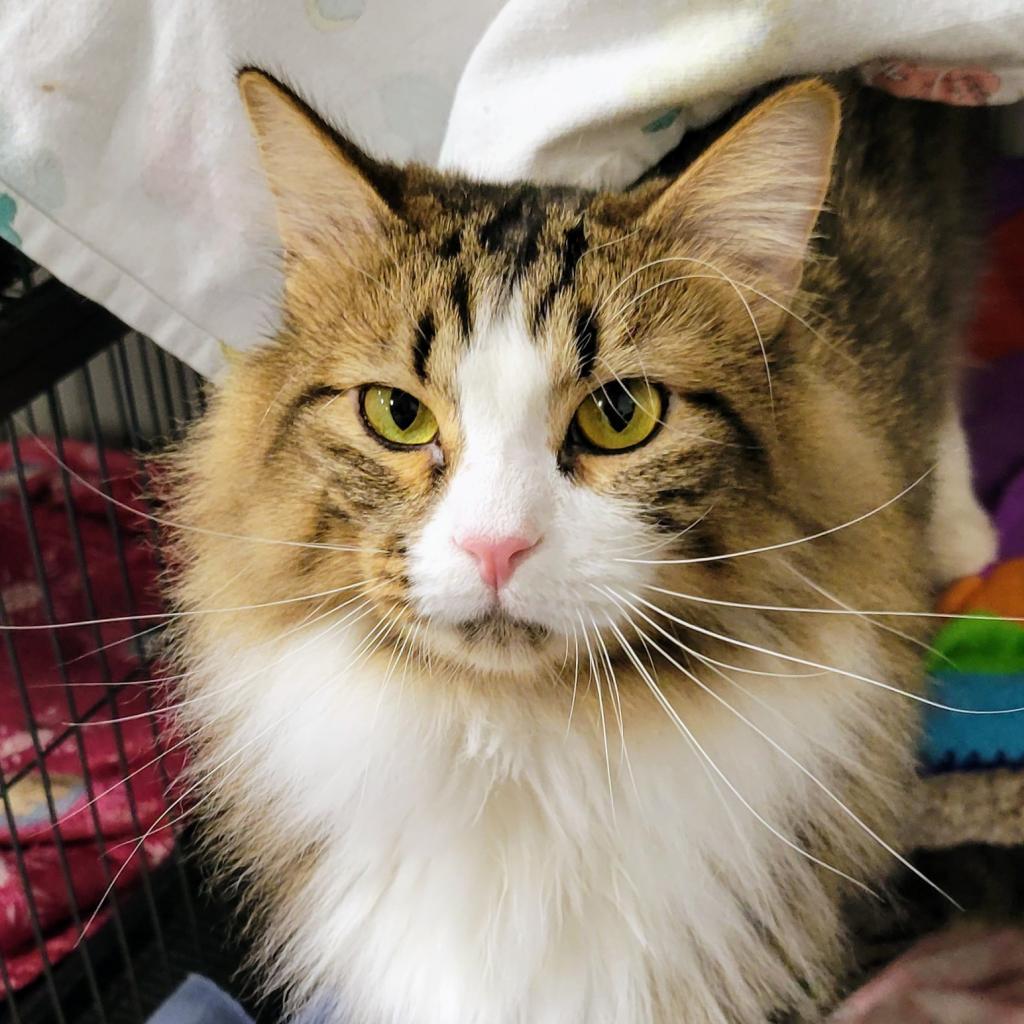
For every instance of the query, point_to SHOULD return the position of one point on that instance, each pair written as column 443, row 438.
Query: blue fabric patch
column 954, row 741
column 198, row 1001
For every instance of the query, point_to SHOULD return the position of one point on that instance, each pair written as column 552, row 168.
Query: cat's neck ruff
column 486, row 861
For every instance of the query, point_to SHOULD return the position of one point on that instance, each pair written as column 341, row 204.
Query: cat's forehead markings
column 574, row 247
column 514, row 229
column 585, row 339
column 451, row 246
column 426, row 330
column 504, row 383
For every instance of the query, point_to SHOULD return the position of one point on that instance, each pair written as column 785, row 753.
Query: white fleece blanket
column 127, row 169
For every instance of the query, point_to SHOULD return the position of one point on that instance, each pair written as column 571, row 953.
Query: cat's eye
column 397, row 417
column 619, row 416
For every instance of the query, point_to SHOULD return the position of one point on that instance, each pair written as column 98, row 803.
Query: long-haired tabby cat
column 529, row 681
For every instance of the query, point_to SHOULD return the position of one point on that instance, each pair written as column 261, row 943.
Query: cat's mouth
column 498, row 628
column 495, row 642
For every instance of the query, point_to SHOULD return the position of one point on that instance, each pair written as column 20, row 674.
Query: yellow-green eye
column 617, row 416
column 397, row 417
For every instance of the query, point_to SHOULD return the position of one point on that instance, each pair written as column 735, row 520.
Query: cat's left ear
column 754, row 196
column 319, row 187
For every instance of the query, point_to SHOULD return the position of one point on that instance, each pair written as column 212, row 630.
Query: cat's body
column 448, row 814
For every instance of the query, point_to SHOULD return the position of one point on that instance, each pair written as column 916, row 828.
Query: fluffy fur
column 609, row 795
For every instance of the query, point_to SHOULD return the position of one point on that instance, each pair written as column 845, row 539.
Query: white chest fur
column 478, row 867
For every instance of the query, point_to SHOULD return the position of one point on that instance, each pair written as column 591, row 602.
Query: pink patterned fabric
column 53, row 705
column 958, row 86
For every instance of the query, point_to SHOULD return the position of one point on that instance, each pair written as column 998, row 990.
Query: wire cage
column 102, row 908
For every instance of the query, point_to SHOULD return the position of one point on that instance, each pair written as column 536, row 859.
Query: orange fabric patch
column 1001, row 592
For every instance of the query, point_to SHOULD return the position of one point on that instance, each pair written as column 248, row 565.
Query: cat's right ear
column 319, row 189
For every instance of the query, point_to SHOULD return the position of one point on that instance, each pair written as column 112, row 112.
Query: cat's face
column 496, row 413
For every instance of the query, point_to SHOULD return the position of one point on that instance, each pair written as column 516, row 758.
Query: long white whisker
column 806, row 324
column 843, row 609
column 190, row 789
column 161, row 521
column 787, row 543
column 765, row 905
column 169, row 616
column 826, row 668
column 235, row 684
column 575, row 676
column 866, row 616
column 234, row 577
column 595, row 676
column 722, row 276
column 670, row 710
column 191, row 810
column 408, row 660
column 792, row 760
column 613, row 692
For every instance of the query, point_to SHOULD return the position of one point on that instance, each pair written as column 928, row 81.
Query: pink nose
column 497, row 557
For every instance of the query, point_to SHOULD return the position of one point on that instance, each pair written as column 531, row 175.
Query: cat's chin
column 497, row 643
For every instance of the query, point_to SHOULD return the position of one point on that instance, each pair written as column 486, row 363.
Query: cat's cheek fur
column 507, row 483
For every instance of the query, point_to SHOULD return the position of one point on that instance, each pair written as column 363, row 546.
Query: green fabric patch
column 979, row 643
column 662, row 121
column 8, row 208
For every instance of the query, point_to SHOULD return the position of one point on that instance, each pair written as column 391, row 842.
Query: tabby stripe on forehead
column 586, row 341
column 450, row 247
column 573, row 249
column 514, row 229
column 460, row 300
column 425, row 331
column 494, row 234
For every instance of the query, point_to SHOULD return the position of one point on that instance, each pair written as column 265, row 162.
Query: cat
column 501, row 696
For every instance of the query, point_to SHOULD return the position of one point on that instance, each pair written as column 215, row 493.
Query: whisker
column 765, row 906
column 178, row 706
column 393, row 661
column 95, row 651
column 575, row 676
column 723, row 276
column 787, row 543
column 826, row 668
column 189, row 790
column 788, row 310
column 613, row 691
column 235, row 684
column 792, row 760
column 408, row 660
column 191, row 810
column 842, row 610
column 169, row 616
column 595, row 676
column 170, row 523
column 670, row 710
column 866, row 616
column 234, row 577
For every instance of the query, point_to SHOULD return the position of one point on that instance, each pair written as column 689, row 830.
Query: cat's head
column 496, row 414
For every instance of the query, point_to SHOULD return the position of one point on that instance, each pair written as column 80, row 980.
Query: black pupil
column 404, row 409
column 618, row 406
